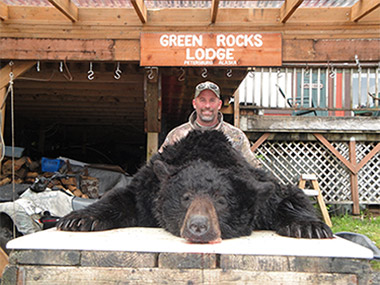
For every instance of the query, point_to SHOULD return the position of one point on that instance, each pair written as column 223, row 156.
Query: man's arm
column 248, row 154
column 175, row 135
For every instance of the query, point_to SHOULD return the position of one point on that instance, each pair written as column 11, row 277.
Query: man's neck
column 204, row 125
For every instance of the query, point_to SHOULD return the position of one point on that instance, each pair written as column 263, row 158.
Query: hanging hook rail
column 251, row 71
column 61, row 67
column 182, row 75
column 332, row 71
column 358, row 63
column 204, row 73
column 279, row 74
column 69, row 77
column 151, row 72
column 307, row 69
column 118, row 72
column 90, row 73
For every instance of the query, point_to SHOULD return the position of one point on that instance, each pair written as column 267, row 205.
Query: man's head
column 207, row 103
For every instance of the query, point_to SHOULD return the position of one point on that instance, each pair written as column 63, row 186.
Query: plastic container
column 51, row 165
column 17, row 151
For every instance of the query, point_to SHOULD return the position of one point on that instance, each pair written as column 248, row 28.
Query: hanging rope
column 10, row 92
column 13, row 146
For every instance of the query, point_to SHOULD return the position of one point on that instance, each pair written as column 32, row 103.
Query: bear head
column 203, row 203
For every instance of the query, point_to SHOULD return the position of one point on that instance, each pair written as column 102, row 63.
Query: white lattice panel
column 369, row 176
column 287, row 160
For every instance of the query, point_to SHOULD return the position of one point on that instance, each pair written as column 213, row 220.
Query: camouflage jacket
column 236, row 136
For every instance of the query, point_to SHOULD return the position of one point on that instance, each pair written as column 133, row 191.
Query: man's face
column 207, row 105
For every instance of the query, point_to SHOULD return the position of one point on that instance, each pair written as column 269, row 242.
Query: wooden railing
column 302, row 90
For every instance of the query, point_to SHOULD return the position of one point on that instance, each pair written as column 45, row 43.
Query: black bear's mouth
column 218, row 240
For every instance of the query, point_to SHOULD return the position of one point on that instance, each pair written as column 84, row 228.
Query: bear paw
column 306, row 230
column 81, row 221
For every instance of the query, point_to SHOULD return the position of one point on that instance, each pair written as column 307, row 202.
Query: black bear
column 203, row 190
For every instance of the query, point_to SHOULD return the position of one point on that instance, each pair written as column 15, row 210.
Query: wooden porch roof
column 104, row 32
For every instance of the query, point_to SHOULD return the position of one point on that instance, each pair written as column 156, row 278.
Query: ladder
column 315, row 192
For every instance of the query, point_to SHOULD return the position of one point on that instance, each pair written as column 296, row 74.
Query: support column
column 236, row 109
column 354, row 178
column 152, row 111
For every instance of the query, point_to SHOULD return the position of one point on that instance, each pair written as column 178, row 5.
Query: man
column 207, row 103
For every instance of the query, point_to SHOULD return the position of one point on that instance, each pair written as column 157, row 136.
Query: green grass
column 363, row 224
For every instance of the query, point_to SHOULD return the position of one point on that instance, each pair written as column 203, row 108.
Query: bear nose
column 198, row 225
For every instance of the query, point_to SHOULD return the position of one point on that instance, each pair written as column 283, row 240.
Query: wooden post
column 236, row 109
column 152, row 111
column 321, row 203
column 152, row 145
column 354, row 178
column 3, row 261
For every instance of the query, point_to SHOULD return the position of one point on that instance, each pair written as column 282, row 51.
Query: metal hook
column 229, row 73
column 251, row 72
column 307, row 70
column 204, row 73
column 279, row 75
column 118, row 72
column 38, row 67
column 182, row 75
column 332, row 73
column 11, row 76
column 150, row 74
column 358, row 63
column 61, row 66
column 90, row 73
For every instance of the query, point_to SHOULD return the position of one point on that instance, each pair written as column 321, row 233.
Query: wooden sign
column 211, row 49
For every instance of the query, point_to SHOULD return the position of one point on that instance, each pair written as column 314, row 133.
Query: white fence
column 307, row 90
column 287, row 160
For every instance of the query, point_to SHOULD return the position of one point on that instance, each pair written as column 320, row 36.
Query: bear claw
column 306, row 230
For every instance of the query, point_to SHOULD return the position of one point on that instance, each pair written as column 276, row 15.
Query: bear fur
column 203, row 190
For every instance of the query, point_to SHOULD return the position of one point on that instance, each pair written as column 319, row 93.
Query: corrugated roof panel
column 328, row 3
column 39, row 3
column 158, row 4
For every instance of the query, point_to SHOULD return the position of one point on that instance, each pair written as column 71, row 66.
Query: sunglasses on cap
column 208, row 85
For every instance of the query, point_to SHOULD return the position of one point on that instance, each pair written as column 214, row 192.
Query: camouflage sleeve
column 174, row 135
column 167, row 141
column 248, row 154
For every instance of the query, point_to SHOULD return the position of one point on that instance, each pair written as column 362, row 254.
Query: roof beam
column 141, row 10
column 3, row 11
column 363, row 8
column 17, row 69
column 288, row 9
column 67, row 8
column 214, row 10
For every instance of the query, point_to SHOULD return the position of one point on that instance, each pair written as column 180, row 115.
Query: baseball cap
column 207, row 85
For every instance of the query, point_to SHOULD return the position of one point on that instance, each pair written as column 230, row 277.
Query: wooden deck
column 153, row 256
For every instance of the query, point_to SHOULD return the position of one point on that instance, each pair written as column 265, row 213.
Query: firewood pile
column 28, row 172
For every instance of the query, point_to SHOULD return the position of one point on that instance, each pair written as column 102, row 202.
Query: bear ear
column 161, row 170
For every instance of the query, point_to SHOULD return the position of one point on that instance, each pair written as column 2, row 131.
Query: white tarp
column 26, row 210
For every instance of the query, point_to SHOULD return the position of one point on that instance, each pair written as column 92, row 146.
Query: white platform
column 158, row 240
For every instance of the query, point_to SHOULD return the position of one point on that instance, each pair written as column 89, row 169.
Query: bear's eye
column 186, row 198
column 222, row 201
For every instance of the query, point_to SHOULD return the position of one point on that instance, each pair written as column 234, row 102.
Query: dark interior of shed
column 60, row 111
